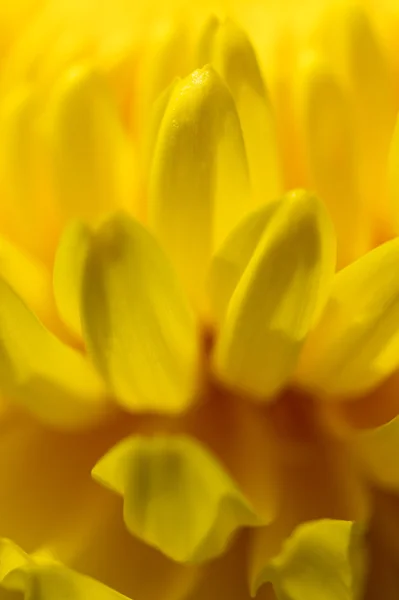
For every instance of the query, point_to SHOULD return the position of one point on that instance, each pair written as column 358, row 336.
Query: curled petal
column 40, row 579
column 177, row 497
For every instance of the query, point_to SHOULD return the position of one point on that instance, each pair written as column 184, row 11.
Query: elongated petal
column 44, row 580
column 234, row 58
column 356, row 343
column 29, row 278
column 177, row 497
column 28, row 214
column 394, row 173
column 356, row 53
column 199, row 183
column 37, row 371
column 230, row 261
column 68, row 273
column 92, row 159
column 137, row 323
column 314, row 563
column 328, row 133
column 278, row 298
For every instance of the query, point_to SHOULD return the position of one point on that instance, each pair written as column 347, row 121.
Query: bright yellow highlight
column 199, row 185
column 176, row 496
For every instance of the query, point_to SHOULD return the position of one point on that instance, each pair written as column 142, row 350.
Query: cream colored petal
column 278, row 298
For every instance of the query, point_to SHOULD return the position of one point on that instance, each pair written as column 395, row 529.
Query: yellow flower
column 198, row 357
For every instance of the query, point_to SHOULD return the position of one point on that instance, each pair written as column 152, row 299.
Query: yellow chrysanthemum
column 199, row 301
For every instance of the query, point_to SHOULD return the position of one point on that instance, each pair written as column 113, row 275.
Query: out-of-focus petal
column 314, row 563
column 199, row 182
column 44, row 580
column 28, row 214
column 232, row 54
column 101, row 546
column 91, row 157
column 177, row 497
column 353, row 48
column 225, row 577
column 30, row 279
column 278, row 297
column 40, row 373
column 328, row 133
column 356, row 343
column 393, row 173
column 377, row 450
column 68, row 271
column 137, row 323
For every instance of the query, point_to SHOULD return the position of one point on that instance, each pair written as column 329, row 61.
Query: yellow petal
column 177, row 497
column 355, row 51
column 199, row 184
column 377, row 450
column 328, row 134
column 40, row 579
column 92, row 159
column 314, row 563
column 278, row 297
column 234, row 58
column 29, row 278
column 40, row 373
column 137, row 324
column 68, row 273
column 28, row 214
column 356, row 343
column 393, row 173
column 232, row 258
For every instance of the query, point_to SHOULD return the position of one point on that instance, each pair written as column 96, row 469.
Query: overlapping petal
column 328, row 132
column 229, row 49
column 137, row 323
column 278, row 296
column 91, row 157
column 40, row 373
column 177, row 497
column 68, row 271
column 199, row 183
column 314, row 563
column 39, row 579
column 356, row 343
